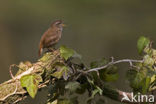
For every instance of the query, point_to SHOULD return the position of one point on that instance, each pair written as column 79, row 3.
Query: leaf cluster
column 68, row 79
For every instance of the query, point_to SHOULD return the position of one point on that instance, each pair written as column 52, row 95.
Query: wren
column 51, row 37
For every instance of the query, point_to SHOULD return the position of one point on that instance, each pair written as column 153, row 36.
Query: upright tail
column 40, row 50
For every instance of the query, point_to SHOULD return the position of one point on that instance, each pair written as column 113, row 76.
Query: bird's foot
column 51, row 49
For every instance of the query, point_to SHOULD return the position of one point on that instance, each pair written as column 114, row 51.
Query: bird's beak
column 63, row 25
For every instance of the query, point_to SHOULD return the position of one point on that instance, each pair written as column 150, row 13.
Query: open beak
column 63, row 25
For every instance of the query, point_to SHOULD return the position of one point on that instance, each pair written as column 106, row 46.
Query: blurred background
column 95, row 29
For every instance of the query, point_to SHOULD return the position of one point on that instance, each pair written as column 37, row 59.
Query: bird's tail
column 40, row 50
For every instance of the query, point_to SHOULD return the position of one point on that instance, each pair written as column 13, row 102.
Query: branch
column 130, row 61
column 110, row 92
column 12, row 91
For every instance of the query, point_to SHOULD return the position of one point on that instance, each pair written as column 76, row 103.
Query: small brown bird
column 51, row 36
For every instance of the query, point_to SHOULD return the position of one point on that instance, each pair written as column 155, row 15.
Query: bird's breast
column 52, row 37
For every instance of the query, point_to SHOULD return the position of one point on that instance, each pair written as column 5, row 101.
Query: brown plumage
column 51, row 36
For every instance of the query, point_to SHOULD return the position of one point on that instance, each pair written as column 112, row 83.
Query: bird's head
column 58, row 23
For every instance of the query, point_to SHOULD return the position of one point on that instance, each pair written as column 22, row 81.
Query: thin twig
column 130, row 61
column 20, row 99
column 10, row 70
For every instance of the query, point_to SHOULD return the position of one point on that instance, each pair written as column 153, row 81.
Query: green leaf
column 148, row 60
column 65, row 101
column 146, row 84
column 111, row 77
column 62, row 71
column 66, row 52
column 142, row 43
column 98, row 90
column 139, row 77
column 136, row 79
column 153, row 78
column 72, row 86
column 58, row 74
column 31, row 83
column 131, row 74
column 95, row 64
column 47, row 56
column 153, row 88
column 90, row 81
column 110, row 74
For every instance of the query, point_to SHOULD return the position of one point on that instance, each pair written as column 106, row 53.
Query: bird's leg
column 51, row 49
